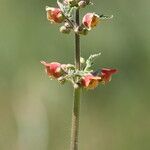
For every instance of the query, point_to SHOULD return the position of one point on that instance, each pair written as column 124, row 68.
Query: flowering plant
column 81, row 75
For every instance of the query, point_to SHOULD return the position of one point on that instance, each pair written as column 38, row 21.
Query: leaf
column 103, row 17
column 69, row 11
column 66, row 9
column 90, row 60
column 61, row 6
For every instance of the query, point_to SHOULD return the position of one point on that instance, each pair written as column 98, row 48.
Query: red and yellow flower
column 54, row 15
column 90, row 82
column 90, row 20
column 52, row 69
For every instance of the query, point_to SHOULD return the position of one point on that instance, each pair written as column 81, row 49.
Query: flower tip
column 47, row 8
column 94, row 14
column 43, row 62
column 112, row 71
column 116, row 71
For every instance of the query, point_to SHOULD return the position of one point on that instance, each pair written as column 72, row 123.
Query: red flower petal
column 52, row 69
column 107, row 73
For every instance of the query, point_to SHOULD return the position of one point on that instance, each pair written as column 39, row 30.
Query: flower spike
column 81, row 74
column 86, row 77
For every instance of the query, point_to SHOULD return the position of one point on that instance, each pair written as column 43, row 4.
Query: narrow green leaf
column 90, row 60
column 103, row 17
column 61, row 6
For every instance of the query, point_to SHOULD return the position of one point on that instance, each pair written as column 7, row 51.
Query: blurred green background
column 35, row 113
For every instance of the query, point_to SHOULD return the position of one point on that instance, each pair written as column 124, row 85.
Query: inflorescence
column 85, row 77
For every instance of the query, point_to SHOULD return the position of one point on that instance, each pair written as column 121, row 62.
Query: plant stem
column 76, row 104
column 75, row 120
column 77, row 43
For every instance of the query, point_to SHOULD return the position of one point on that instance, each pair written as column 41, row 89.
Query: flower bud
column 54, row 15
column 82, row 4
column 81, row 30
column 90, row 20
column 78, row 29
column 64, row 29
column 67, row 25
column 82, row 60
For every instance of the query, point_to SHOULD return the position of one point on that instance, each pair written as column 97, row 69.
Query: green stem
column 75, row 120
column 76, row 104
column 77, row 43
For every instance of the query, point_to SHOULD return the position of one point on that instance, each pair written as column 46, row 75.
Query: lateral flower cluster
column 86, row 77
column 64, row 14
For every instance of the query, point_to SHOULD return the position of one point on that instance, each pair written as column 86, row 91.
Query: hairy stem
column 76, row 104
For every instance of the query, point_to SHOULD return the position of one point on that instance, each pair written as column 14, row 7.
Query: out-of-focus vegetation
column 35, row 113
